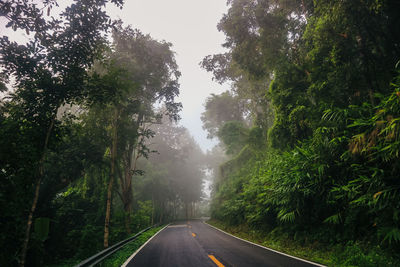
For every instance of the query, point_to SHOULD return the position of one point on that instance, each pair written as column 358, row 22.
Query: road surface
column 196, row 244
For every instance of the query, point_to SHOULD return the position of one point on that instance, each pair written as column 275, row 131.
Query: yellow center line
column 193, row 234
column 216, row 261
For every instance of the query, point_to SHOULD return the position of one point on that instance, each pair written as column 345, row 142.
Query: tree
column 50, row 69
column 136, row 73
column 249, row 92
column 234, row 135
column 324, row 69
column 153, row 68
column 220, row 109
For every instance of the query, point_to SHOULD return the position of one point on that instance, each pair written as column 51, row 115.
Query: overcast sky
column 190, row 25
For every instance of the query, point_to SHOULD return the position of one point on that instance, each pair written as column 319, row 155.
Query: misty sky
column 190, row 25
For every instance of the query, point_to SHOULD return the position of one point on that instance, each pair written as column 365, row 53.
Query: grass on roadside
column 349, row 254
column 119, row 257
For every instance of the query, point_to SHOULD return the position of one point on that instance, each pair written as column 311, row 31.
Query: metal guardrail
column 97, row 258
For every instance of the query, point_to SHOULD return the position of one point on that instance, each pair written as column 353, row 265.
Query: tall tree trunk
column 152, row 210
column 128, row 211
column 161, row 213
column 131, row 156
column 128, row 208
column 187, row 210
column 112, row 176
column 36, row 197
column 126, row 188
column 173, row 210
column 177, row 208
column 108, row 211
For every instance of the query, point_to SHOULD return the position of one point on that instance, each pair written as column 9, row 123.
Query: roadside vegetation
column 310, row 128
column 90, row 147
column 349, row 254
column 119, row 257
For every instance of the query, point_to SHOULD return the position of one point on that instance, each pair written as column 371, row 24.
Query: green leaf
column 392, row 234
column 334, row 219
column 285, row 216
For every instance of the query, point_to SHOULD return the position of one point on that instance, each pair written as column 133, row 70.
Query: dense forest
column 90, row 147
column 309, row 133
column 311, row 124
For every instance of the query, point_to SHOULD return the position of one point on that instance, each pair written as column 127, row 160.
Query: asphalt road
column 195, row 243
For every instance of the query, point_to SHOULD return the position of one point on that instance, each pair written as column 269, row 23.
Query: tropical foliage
column 78, row 117
column 328, row 165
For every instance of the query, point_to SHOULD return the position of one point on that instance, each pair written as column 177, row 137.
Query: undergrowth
column 118, row 258
column 348, row 254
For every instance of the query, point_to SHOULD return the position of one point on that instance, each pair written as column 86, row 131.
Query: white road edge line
column 270, row 249
column 137, row 251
